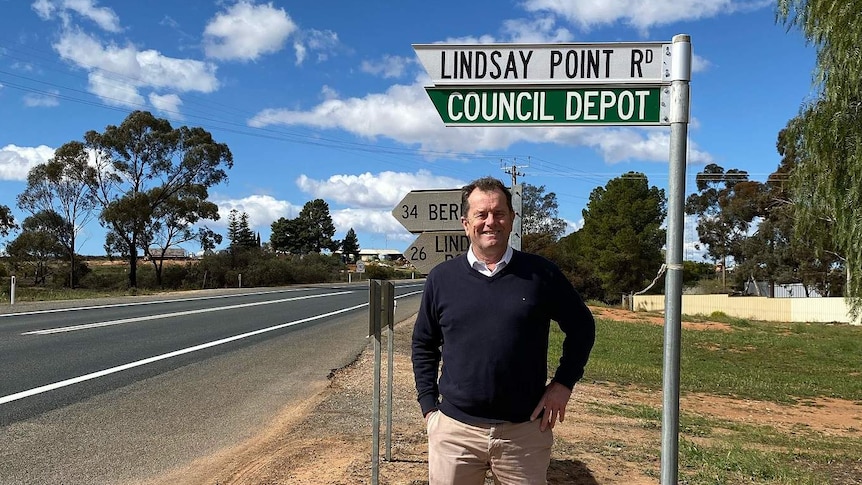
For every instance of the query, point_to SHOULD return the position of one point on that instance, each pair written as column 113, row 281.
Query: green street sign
column 630, row 106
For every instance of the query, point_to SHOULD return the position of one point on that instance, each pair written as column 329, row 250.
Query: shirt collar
column 481, row 267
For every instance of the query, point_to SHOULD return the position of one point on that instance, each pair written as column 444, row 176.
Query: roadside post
column 374, row 333
column 583, row 84
column 388, row 313
column 381, row 312
column 12, row 292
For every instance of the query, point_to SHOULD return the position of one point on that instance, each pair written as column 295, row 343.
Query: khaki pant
column 461, row 454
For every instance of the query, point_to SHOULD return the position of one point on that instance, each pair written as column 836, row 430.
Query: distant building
column 789, row 290
column 170, row 253
column 380, row 255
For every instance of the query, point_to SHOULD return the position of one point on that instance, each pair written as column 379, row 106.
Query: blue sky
column 325, row 99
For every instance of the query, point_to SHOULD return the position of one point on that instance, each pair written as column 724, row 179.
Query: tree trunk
column 72, row 263
column 133, row 267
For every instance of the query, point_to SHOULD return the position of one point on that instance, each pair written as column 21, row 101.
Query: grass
column 774, row 362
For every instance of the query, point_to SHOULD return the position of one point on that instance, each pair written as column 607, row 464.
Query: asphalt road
column 115, row 392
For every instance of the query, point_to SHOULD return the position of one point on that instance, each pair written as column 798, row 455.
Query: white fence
column 756, row 307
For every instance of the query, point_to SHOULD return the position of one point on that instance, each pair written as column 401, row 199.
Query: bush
column 377, row 272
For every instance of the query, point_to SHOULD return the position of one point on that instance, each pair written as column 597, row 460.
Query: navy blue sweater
column 492, row 336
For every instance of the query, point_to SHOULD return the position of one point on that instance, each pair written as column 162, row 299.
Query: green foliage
column 239, row 231
column 286, row 236
column 7, row 221
column 540, row 213
column 726, row 203
column 38, row 244
column 828, row 130
column 261, row 269
column 378, row 272
column 621, row 241
column 350, row 245
column 310, row 232
column 151, row 182
column 317, row 226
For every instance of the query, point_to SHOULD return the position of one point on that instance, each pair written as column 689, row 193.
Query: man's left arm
column 577, row 323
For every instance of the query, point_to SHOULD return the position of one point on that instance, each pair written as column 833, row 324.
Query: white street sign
column 360, row 266
column 432, row 248
column 430, row 210
column 535, row 64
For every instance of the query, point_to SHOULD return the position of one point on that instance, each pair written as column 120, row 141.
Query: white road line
column 174, row 314
column 131, row 365
column 153, row 302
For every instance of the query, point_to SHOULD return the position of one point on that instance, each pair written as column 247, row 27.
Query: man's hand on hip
column 554, row 403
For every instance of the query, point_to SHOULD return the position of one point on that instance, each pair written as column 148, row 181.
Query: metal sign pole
column 680, row 79
column 374, row 332
column 388, row 309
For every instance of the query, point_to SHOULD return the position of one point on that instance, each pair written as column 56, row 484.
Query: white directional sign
column 533, row 64
column 432, row 248
column 430, row 210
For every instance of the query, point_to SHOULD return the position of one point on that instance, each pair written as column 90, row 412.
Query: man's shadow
column 570, row 472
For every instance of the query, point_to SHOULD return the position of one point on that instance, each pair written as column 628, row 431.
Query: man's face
column 488, row 222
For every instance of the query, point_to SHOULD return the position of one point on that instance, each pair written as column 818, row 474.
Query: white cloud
column 382, row 190
column 246, row 31
column 320, row 41
column 116, row 73
column 388, row 67
column 369, row 221
column 114, row 90
column 47, row 100
column 573, row 226
column 16, row 162
column 168, row 104
column 262, row 211
column 301, row 52
column 536, row 30
column 640, row 14
column 104, row 17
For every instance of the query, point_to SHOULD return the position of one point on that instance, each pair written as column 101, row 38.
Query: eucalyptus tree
column 39, row 242
column 828, row 178
column 63, row 185
column 726, row 204
column 150, row 175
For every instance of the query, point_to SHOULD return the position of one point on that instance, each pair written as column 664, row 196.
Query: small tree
column 350, row 245
column 39, row 242
column 317, row 227
column 285, row 236
column 239, row 232
column 540, row 213
column 726, row 204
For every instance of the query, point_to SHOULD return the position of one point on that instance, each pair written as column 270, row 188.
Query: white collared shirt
column 481, row 267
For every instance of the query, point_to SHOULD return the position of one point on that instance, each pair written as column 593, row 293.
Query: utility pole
column 513, row 171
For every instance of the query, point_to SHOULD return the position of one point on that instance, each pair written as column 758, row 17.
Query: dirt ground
column 328, row 440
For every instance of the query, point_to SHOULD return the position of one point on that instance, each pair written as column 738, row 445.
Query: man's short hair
column 485, row 184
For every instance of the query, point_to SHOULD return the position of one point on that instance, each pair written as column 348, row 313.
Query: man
column 486, row 314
